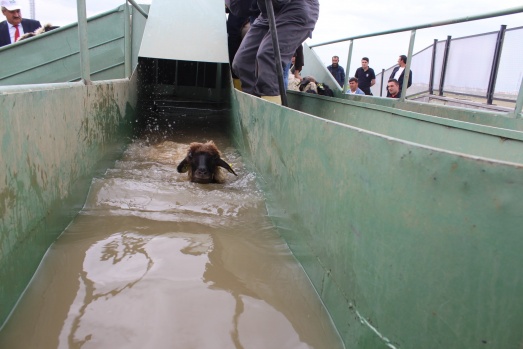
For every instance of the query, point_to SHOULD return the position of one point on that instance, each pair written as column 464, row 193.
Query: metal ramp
column 54, row 56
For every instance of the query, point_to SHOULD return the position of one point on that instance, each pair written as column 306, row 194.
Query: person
column 309, row 85
column 393, row 89
column 254, row 60
column 399, row 72
column 337, row 71
column 235, row 25
column 14, row 26
column 366, row 77
column 297, row 62
column 294, row 67
column 353, row 87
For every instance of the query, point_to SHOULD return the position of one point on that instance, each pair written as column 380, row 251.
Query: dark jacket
column 400, row 79
column 29, row 25
column 338, row 73
column 276, row 4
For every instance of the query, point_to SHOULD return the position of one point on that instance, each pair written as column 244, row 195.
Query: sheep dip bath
column 156, row 261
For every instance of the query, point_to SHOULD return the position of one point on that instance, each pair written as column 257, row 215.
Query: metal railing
column 82, row 36
column 519, row 102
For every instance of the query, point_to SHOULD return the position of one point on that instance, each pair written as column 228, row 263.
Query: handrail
column 519, row 103
column 509, row 11
column 138, row 8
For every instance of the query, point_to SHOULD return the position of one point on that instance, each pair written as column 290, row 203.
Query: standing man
column 366, row 77
column 254, row 61
column 14, row 26
column 399, row 71
column 337, row 71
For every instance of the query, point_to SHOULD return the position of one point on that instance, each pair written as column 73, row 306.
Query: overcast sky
column 344, row 18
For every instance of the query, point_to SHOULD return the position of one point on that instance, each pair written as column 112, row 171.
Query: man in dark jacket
column 399, row 71
column 14, row 26
column 337, row 71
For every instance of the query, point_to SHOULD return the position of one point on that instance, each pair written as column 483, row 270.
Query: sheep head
column 202, row 163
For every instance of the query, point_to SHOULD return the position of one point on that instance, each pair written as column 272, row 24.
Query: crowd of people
column 364, row 77
column 251, row 51
column 253, row 62
column 252, row 55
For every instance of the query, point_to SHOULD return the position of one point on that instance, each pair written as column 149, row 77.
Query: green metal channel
column 53, row 142
column 406, row 216
column 409, row 246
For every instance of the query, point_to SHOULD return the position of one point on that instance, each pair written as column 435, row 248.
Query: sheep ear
column 226, row 166
column 183, row 166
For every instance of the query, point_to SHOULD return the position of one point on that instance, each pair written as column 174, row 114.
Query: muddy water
column 154, row 261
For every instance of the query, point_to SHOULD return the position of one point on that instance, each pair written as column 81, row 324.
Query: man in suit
column 399, row 71
column 14, row 26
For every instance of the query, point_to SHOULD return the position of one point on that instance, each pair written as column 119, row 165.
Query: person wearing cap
column 14, row 26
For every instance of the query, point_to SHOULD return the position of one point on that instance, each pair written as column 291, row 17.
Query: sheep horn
column 226, row 166
column 183, row 166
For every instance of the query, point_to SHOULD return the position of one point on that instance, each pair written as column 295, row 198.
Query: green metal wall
column 409, row 246
column 476, row 116
column 457, row 132
column 54, row 138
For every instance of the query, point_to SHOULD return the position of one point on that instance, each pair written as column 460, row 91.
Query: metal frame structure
column 519, row 103
column 82, row 37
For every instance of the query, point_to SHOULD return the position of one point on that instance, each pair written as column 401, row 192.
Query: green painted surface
column 315, row 67
column 454, row 133
column 53, row 141
column 483, row 117
column 409, row 246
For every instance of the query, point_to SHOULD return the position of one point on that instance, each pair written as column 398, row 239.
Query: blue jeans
column 286, row 68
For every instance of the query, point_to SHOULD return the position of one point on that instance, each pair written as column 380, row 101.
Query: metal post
column 519, row 102
column 407, row 68
column 219, row 80
column 382, row 80
column 156, row 71
column 204, row 73
column 495, row 64
column 196, row 77
column 138, row 8
column 85, row 68
column 433, row 67
column 349, row 58
column 127, row 40
column 444, row 64
column 32, row 13
column 176, row 76
column 276, row 49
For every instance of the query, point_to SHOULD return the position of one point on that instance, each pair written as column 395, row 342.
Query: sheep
column 41, row 30
column 202, row 163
